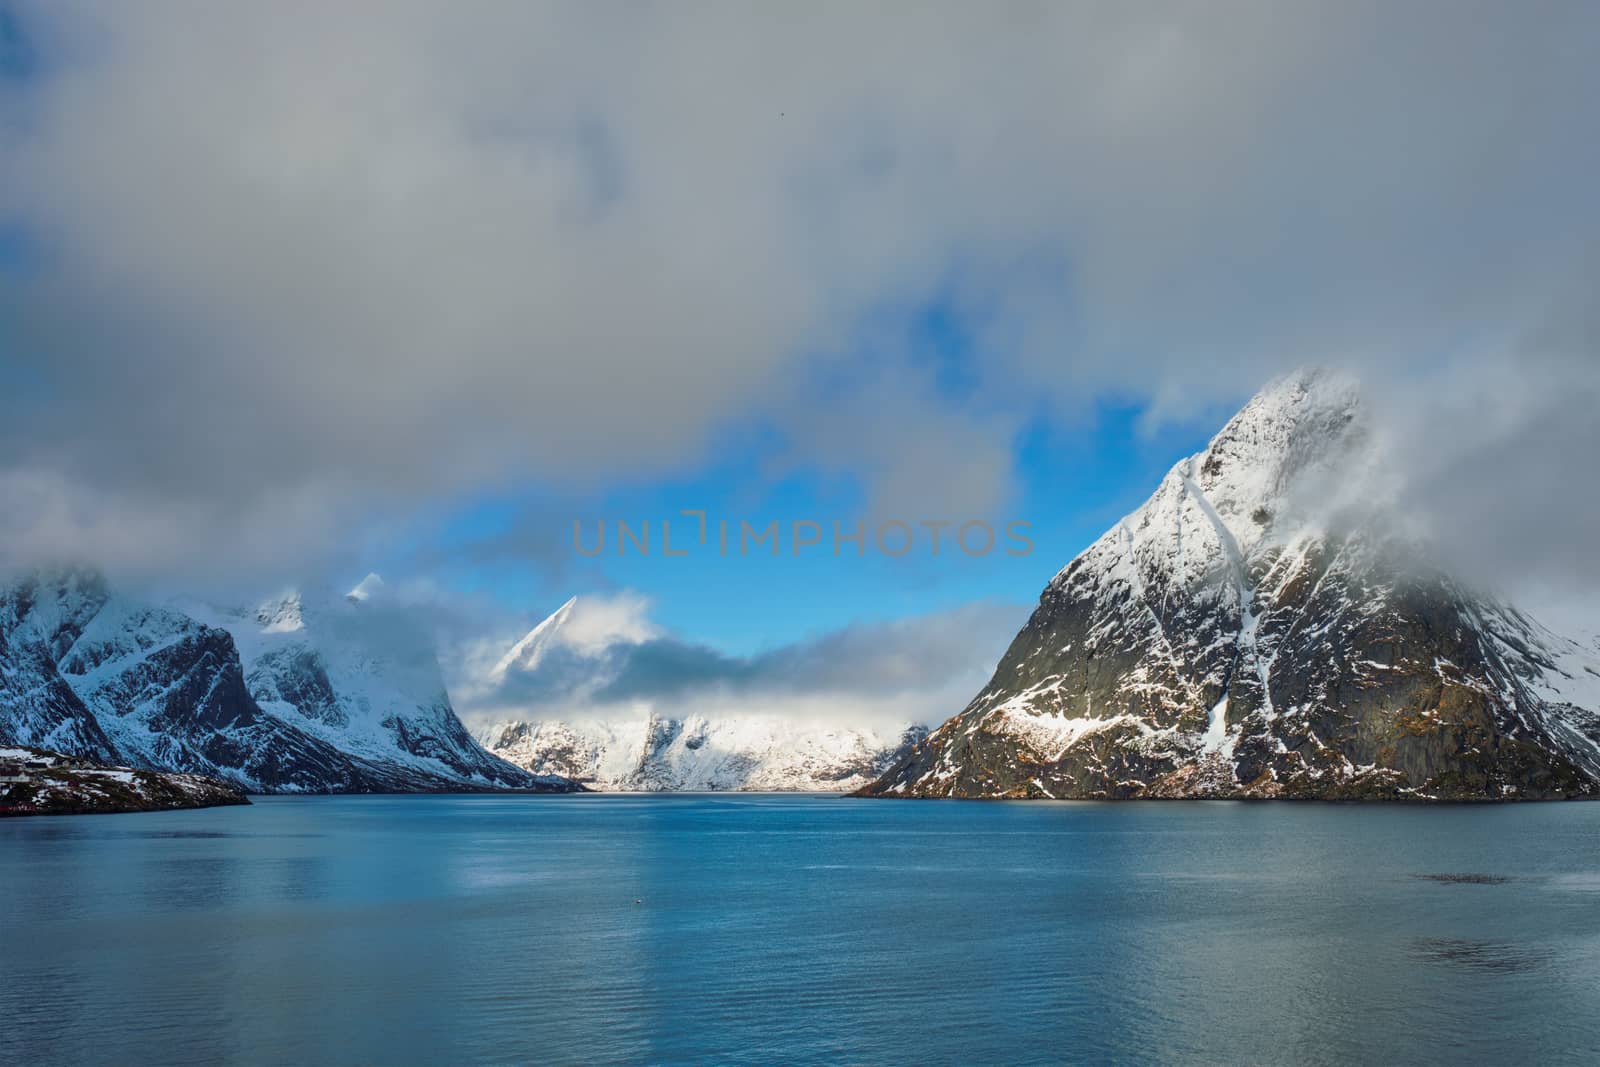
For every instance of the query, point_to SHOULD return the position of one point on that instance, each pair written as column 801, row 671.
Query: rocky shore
column 37, row 782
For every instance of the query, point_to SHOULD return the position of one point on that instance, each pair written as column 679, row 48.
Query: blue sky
column 1073, row 477
column 1077, row 480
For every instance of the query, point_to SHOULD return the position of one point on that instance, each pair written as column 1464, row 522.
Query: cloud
column 1495, row 467
column 600, row 622
column 918, row 669
column 292, row 272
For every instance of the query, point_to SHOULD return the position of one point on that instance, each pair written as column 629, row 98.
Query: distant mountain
column 525, row 656
column 1248, row 632
column 644, row 751
column 697, row 754
column 95, row 675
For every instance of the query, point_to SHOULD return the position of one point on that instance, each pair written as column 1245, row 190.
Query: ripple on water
column 1467, row 879
column 1491, row 957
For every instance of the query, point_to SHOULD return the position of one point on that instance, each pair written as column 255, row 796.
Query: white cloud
column 358, row 260
column 881, row 674
column 598, row 622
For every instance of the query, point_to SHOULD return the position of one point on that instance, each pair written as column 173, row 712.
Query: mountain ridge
column 97, row 676
column 754, row 753
column 1250, row 631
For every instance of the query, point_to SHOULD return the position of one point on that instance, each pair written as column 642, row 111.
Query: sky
column 294, row 292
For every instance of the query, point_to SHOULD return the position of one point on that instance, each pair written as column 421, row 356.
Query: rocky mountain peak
column 1246, row 632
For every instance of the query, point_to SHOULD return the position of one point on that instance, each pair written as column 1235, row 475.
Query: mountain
column 526, row 655
column 359, row 673
column 699, row 754
column 569, row 658
column 39, row 621
column 1258, row 628
column 366, row 589
column 102, row 677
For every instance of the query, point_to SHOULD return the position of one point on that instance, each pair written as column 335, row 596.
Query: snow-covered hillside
column 99, row 676
column 359, row 673
column 1265, row 626
column 752, row 753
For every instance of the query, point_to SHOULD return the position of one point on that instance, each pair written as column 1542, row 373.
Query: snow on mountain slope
column 571, row 656
column 653, row 754
column 1262, row 627
column 526, row 653
column 151, row 687
column 366, row 589
column 360, row 674
column 102, row 677
column 1561, row 677
column 38, row 621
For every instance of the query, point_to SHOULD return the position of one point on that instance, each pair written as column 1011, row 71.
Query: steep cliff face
column 359, row 674
column 97, row 676
column 38, row 621
column 1246, row 633
column 103, row 678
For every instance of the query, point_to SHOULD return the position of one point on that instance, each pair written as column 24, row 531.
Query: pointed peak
column 1309, row 417
column 368, row 587
column 1310, row 393
column 554, row 620
column 527, row 652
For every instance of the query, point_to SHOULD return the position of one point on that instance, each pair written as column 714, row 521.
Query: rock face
column 49, row 783
column 97, row 676
column 1242, row 635
column 653, row 754
column 37, row 706
column 359, row 674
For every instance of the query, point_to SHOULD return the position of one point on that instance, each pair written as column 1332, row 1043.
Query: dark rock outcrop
column 52, row 783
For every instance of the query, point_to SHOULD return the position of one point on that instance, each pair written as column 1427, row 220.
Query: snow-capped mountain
column 360, row 674
column 366, row 589
column 92, row 674
column 1258, row 628
column 570, row 657
column 654, row 754
column 526, row 655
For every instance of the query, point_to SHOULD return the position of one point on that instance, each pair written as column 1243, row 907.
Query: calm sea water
column 718, row 929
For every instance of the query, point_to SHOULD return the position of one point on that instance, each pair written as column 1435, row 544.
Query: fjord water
column 723, row 929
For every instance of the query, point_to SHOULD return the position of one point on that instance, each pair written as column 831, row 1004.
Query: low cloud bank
column 883, row 674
